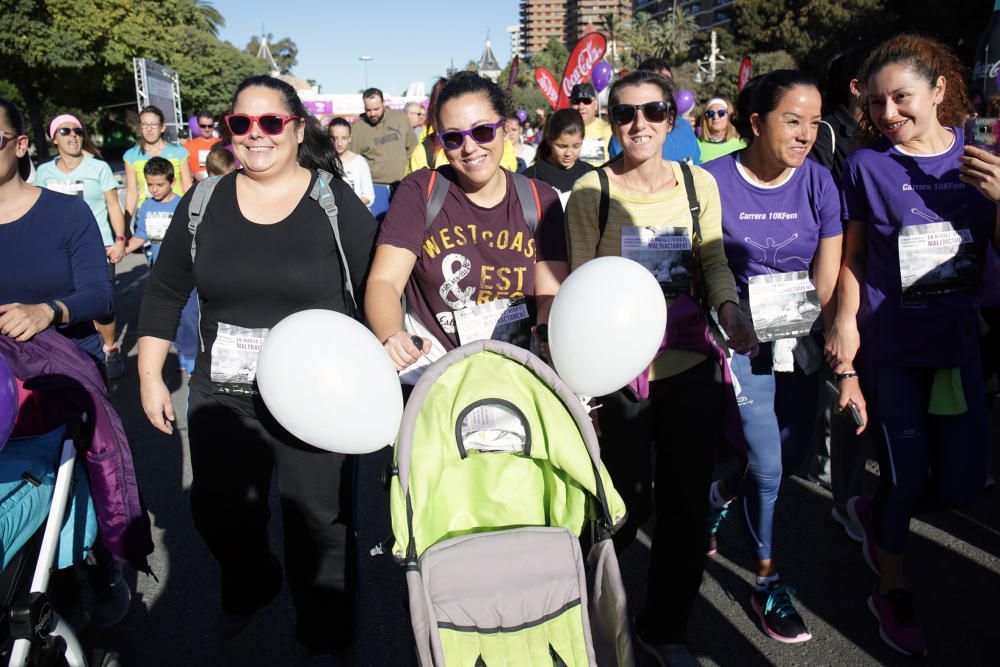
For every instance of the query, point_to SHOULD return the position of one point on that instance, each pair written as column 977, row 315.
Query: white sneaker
column 853, row 530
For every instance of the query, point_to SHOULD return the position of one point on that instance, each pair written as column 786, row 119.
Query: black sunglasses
column 207, row 127
column 581, row 100
column 452, row 140
column 65, row 131
column 654, row 112
column 721, row 113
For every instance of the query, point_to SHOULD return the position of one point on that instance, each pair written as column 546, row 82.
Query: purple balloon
column 601, row 76
column 193, row 126
column 522, row 116
column 684, row 99
column 8, row 400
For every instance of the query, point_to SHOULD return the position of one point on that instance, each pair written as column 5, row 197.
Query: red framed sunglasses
column 269, row 123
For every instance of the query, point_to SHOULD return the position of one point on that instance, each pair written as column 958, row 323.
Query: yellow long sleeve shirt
column 667, row 207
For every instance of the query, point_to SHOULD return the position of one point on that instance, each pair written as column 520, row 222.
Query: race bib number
column 202, row 156
column 665, row 252
column 936, row 259
column 156, row 225
column 594, row 150
column 783, row 305
column 234, row 359
column 74, row 188
column 503, row 319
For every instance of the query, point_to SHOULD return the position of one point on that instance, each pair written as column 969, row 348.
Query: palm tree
column 676, row 34
column 614, row 25
column 212, row 16
column 643, row 36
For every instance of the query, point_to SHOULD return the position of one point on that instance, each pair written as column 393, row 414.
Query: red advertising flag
column 744, row 72
column 514, row 66
column 547, row 83
column 588, row 52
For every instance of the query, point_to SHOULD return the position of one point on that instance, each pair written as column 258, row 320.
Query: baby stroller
column 498, row 482
column 48, row 521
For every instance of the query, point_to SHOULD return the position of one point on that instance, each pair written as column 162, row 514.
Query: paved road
column 955, row 570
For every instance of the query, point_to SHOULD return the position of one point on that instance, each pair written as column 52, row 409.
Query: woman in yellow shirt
column 648, row 216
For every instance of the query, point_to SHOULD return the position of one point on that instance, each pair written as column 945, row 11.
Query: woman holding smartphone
column 921, row 209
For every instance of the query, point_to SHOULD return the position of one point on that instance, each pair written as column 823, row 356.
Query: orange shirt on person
column 198, row 149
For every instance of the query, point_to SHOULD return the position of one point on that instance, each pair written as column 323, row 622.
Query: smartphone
column 851, row 410
column 983, row 133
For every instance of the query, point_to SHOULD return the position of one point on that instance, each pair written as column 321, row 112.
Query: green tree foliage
column 727, row 76
column 526, row 93
column 77, row 55
column 284, row 50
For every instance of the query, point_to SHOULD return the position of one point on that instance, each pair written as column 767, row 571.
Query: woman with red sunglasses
column 265, row 250
column 478, row 250
column 678, row 405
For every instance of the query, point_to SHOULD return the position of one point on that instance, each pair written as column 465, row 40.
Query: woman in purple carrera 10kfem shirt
column 782, row 235
column 921, row 211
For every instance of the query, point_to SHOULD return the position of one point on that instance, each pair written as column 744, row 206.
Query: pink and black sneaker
column 777, row 614
column 897, row 625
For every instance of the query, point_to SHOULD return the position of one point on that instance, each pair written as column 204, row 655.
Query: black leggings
column 233, row 454
column 679, row 426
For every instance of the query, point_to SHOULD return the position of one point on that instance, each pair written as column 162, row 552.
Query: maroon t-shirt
column 470, row 255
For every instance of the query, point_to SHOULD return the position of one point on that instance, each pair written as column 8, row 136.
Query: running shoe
column 777, row 614
column 859, row 511
column 852, row 529
column 897, row 624
column 715, row 517
column 113, row 363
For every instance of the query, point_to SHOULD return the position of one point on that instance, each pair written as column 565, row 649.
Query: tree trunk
column 35, row 120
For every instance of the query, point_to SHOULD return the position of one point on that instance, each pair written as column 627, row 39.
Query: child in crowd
column 356, row 171
column 220, row 162
column 557, row 161
column 151, row 225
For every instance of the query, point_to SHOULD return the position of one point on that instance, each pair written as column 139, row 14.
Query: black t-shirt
column 560, row 179
column 251, row 276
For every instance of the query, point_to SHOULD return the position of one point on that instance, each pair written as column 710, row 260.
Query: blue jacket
column 681, row 144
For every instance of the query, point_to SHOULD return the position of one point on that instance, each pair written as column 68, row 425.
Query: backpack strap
column 428, row 144
column 833, row 137
column 196, row 209
column 323, row 195
column 605, row 205
column 527, row 194
column 692, row 196
column 437, row 190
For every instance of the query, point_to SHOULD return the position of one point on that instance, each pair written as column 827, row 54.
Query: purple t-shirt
column 471, row 255
column 919, row 205
column 769, row 230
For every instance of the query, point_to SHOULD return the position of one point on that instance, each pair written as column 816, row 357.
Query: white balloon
column 606, row 325
column 328, row 380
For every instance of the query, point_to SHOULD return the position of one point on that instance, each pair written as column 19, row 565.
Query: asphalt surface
column 954, row 568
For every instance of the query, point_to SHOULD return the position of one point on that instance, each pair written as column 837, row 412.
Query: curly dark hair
column 468, row 83
column 928, row 59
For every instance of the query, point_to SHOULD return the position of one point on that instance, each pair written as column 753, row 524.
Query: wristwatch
column 57, row 313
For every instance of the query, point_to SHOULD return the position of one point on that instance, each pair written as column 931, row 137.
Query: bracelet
column 845, row 375
column 119, row 238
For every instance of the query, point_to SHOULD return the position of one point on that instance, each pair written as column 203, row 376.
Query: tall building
column 566, row 20
column 709, row 13
column 584, row 16
column 541, row 20
column 516, row 48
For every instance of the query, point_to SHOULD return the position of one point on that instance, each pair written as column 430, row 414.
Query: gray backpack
column 320, row 193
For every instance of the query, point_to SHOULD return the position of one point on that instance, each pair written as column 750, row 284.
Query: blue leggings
column 927, row 462
column 777, row 410
column 186, row 341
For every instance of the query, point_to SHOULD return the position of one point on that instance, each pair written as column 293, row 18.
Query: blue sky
column 408, row 41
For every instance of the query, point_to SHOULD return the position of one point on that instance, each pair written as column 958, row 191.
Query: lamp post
column 365, row 60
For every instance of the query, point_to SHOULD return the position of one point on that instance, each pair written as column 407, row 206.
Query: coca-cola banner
column 547, row 83
column 588, row 52
column 744, row 73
